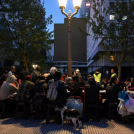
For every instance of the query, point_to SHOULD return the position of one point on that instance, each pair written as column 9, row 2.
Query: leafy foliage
column 24, row 32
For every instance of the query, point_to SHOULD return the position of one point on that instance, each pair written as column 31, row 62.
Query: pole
column 69, row 50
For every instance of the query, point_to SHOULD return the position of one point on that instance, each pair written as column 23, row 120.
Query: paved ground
column 11, row 126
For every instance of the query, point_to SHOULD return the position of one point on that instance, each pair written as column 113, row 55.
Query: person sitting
column 77, row 91
column 127, row 84
column 63, row 78
column 40, row 85
column 9, row 87
column 81, row 83
column 103, row 84
column 25, row 91
column 3, row 78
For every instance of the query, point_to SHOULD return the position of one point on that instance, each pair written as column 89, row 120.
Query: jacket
column 8, row 88
column 25, row 91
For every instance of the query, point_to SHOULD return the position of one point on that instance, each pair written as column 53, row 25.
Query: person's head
column 89, row 76
column 77, row 71
column 68, row 80
column 13, row 69
column 74, row 79
column 11, row 79
column 38, row 68
column 53, row 70
column 112, row 71
column 28, row 78
column 5, row 73
column 23, row 68
column 97, row 72
column 128, row 80
column 80, row 79
column 104, row 80
column 115, row 80
column 92, row 81
column 132, row 80
column 57, row 75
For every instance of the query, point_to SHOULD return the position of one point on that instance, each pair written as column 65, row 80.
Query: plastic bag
column 129, row 104
column 122, row 109
column 75, row 104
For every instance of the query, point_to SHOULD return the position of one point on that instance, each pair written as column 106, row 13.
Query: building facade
column 94, row 49
column 78, row 40
column 84, row 10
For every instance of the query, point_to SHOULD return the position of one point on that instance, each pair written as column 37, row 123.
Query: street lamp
column 34, row 66
column 62, row 5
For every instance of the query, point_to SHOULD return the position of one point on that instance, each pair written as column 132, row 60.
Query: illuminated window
column 112, row 17
column 124, row 18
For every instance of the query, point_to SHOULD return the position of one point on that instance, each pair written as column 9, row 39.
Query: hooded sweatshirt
column 8, row 88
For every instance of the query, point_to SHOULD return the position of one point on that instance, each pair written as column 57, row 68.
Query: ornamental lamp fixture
column 77, row 4
column 62, row 4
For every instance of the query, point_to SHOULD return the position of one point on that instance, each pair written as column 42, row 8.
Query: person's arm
column 14, row 88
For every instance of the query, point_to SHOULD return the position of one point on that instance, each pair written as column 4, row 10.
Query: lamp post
column 62, row 5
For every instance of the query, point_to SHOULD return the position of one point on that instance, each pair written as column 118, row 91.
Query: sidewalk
column 31, row 126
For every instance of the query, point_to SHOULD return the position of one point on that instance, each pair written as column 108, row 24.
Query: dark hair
column 38, row 68
column 24, row 67
column 57, row 74
column 75, row 78
column 41, row 78
column 128, row 79
column 4, row 72
column 113, row 79
column 92, row 81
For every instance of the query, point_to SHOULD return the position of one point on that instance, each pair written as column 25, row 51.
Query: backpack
column 52, row 90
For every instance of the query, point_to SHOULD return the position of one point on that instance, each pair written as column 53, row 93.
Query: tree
column 117, row 34
column 24, row 33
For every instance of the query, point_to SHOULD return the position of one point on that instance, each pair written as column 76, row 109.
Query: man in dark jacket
column 3, row 78
column 25, row 91
column 23, row 74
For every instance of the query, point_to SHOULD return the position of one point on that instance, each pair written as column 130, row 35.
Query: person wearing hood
column 97, row 76
column 9, row 87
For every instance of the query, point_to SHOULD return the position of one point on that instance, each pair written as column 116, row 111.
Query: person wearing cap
column 4, row 77
column 25, row 91
column 97, row 76
column 77, row 73
column 12, row 72
column 9, row 87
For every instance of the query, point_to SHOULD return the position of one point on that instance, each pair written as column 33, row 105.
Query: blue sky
column 52, row 7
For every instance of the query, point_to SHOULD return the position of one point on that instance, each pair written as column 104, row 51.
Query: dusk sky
column 52, row 7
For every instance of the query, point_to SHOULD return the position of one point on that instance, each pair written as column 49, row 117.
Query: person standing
column 113, row 74
column 12, row 72
column 23, row 74
column 97, row 76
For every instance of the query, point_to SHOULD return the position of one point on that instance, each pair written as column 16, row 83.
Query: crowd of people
column 31, row 86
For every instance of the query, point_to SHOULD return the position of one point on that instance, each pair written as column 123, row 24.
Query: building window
column 112, row 17
column 111, row 6
column 124, row 18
